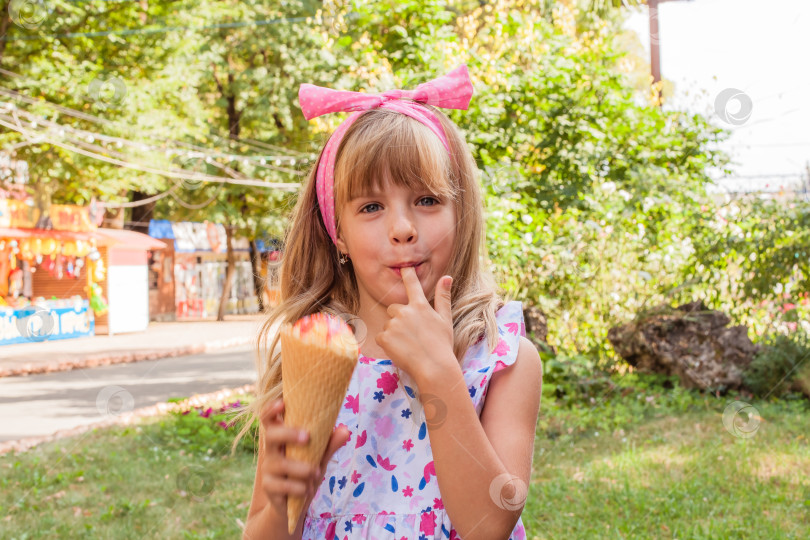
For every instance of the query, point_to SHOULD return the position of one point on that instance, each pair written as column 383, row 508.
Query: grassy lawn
column 676, row 476
column 133, row 482
column 635, row 463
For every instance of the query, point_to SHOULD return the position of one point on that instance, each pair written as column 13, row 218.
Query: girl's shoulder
column 484, row 359
column 511, row 326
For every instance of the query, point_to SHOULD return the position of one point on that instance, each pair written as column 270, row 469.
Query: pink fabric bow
column 451, row 91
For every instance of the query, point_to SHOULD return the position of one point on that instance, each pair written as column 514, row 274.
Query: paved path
column 37, row 405
column 159, row 340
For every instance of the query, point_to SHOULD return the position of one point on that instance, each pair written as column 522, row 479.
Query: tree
column 589, row 189
column 195, row 80
column 247, row 81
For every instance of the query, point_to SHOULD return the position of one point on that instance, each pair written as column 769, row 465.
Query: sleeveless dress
column 381, row 484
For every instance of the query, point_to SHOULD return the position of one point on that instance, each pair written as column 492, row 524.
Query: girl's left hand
column 418, row 337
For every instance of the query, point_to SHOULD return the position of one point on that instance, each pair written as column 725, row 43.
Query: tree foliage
column 596, row 199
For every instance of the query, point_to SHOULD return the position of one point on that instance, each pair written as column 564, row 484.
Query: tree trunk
column 5, row 21
column 258, row 282
column 141, row 215
column 229, row 271
column 233, row 133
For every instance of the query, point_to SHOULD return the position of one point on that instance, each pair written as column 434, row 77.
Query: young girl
column 435, row 436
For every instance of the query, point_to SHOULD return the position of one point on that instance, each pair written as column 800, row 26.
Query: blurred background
column 645, row 167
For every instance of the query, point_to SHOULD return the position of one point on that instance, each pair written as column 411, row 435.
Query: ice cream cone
column 318, row 356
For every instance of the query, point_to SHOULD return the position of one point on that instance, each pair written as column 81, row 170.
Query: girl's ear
column 342, row 245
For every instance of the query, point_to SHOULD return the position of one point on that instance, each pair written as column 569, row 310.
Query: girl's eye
column 434, row 200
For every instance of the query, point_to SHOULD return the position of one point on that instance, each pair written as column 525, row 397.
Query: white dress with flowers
column 382, row 483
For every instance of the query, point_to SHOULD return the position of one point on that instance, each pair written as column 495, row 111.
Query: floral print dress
column 381, row 484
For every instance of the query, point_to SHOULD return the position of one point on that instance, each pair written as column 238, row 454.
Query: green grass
column 638, row 462
column 124, row 482
column 681, row 476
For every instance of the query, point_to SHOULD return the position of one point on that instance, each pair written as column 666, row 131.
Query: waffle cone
column 315, row 378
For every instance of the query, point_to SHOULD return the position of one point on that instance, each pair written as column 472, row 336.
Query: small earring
column 342, row 258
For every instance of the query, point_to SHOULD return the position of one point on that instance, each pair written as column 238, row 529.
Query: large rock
column 689, row 341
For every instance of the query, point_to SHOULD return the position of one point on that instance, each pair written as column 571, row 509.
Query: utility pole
column 806, row 183
column 655, row 54
column 655, row 39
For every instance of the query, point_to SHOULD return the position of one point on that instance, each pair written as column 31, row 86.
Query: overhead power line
column 103, row 121
column 37, row 129
column 79, row 136
column 774, row 175
column 141, row 202
column 9, row 123
column 159, row 29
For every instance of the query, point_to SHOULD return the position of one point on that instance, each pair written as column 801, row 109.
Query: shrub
column 573, row 379
column 208, row 429
column 781, row 367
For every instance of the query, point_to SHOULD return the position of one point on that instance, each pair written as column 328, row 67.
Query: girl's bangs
column 398, row 149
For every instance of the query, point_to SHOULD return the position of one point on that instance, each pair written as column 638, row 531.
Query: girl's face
column 398, row 226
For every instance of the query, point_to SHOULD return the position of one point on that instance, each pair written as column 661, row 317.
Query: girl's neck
column 374, row 318
column 375, row 353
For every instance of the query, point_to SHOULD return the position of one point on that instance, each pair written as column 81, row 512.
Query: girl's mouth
column 417, row 268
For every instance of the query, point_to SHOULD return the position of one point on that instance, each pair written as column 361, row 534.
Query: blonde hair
column 311, row 278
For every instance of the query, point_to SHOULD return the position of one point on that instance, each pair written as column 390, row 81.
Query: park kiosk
column 63, row 277
column 199, row 255
column 45, row 288
column 126, row 287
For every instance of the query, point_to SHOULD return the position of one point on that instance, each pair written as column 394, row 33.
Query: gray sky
column 759, row 48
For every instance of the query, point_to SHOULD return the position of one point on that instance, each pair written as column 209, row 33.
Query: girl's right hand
column 281, row 476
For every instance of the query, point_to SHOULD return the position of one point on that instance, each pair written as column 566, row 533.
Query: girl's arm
column 263, row 519
column 267, row 517
column 484, row 467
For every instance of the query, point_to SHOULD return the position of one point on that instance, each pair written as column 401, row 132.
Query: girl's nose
column 402, row 229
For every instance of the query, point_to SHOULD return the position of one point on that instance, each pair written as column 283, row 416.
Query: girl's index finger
column 412, row 286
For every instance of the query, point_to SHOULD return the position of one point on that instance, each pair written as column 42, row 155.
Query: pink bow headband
column 451, row 91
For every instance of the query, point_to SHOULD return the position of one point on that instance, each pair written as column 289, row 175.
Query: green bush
column 573, row 379
column 208, row 429
column 782, row 366
column 578, row 401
